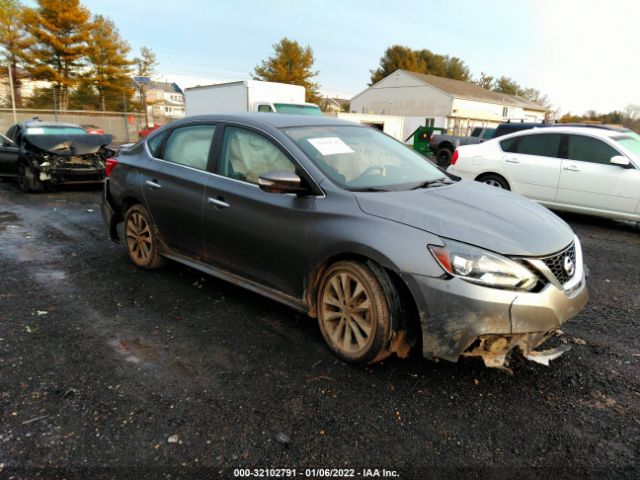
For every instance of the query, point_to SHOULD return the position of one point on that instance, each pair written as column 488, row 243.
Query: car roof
column 595, row 131
column 276, row 120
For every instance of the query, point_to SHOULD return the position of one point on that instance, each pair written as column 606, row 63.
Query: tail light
column 110, row 164
column 454, row 158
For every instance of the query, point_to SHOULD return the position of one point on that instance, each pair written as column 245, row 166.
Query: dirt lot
column 107, row 371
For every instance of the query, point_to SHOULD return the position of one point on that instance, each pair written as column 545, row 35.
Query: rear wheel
column 443, row 157
column 494, row 181
column 354, row 313
column 141, row 238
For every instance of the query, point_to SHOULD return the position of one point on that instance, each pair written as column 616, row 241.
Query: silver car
column 340, row 221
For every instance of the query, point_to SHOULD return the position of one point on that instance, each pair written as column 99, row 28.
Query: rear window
column 488, row 133
column 56, row 131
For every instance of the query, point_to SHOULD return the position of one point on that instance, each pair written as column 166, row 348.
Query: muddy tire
column 28, row 180
column 354, row 313
column 141, row 238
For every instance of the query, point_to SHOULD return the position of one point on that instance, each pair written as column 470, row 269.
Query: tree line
column 83, row 56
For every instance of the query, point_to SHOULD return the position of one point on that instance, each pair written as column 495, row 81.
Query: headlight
column 482, row 267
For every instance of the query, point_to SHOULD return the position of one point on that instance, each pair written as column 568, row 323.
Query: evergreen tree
column 292, row 64
column 398, row 57
column 109, row 67
column 60, row 31
column 14, row 42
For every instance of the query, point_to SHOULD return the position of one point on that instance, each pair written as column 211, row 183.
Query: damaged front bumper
column 463, row 319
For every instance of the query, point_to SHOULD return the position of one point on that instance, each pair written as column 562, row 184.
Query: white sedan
column 579, row 169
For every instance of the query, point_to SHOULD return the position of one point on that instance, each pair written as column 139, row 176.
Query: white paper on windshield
column 330, row 145
column 35, row 131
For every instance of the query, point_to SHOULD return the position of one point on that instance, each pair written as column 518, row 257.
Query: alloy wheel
column 346, row 313
column 139, row 238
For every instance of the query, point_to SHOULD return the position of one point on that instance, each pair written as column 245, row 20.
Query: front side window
column 190, row 146
column 246, row 155
column 362, row 158
column 541, row 144
column 589, row 149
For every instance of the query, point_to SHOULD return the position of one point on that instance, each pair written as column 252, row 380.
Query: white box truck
column 248, row 96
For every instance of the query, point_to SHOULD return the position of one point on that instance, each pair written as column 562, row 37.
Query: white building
column 442, row 102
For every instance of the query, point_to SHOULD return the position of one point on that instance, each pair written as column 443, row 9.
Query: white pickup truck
column 248, row 96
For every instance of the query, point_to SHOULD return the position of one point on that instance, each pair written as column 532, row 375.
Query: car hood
column 69, row 144
column 473, row 213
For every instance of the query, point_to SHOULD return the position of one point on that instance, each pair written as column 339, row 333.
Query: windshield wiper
column 431, row 183
column 370, row 189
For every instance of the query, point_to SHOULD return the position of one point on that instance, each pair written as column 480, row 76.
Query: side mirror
column 280, row 181
column 620, row 160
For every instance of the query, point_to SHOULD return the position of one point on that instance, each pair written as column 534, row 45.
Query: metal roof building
column 443, row 102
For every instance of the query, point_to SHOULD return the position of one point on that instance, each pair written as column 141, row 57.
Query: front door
column 533, row 165
column 258, row 235
column 588, row 179
column 174, row 191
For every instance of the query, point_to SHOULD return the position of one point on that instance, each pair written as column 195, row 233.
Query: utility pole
column 13, row 97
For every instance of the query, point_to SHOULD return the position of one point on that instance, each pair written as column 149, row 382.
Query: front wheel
column 354, row 313
column 28, row 179
column 141, row 238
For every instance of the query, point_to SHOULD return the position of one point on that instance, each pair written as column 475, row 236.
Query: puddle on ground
column 50, row 275
column 134, row 350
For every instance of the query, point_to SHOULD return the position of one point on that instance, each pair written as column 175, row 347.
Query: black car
column 44, row 154
column 350, row 226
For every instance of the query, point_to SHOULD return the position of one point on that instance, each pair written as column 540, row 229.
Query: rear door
column 174, row 191
column 8, row 157
column 588, row 179
column 533, row 164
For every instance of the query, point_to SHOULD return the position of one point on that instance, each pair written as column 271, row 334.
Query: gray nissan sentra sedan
column 352, row 227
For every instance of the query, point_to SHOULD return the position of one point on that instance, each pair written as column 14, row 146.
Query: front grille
column 556, row 263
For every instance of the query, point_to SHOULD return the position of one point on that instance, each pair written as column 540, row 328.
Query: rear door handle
column 218, row 202
column 571, row 168
column 512, row 160
column 153, row 184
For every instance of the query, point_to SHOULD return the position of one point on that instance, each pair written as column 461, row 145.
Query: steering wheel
column 368, row 170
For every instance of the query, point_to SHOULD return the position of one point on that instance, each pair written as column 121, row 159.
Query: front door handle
column 153, row 184
column 512, row 160
column 218, row 202
column 571, row 168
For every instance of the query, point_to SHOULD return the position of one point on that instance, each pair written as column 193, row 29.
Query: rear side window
column 476, row 132
column 190, row 146
column 588, row 149
column 543, row 145
column 488, row 133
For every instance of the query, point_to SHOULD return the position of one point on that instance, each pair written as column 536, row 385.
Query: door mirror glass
column 280, row 181
column 619, row 160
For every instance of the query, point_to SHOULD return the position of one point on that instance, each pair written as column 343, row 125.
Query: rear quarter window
column 509, row 144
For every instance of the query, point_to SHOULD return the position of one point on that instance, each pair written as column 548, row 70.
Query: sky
column 582, row 54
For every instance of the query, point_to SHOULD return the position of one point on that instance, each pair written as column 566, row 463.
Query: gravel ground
column 107, row 371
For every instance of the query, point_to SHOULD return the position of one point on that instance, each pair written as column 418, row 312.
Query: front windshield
column 630, row 143
column 362, row 158
column 297, row 109
column 56, row 131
